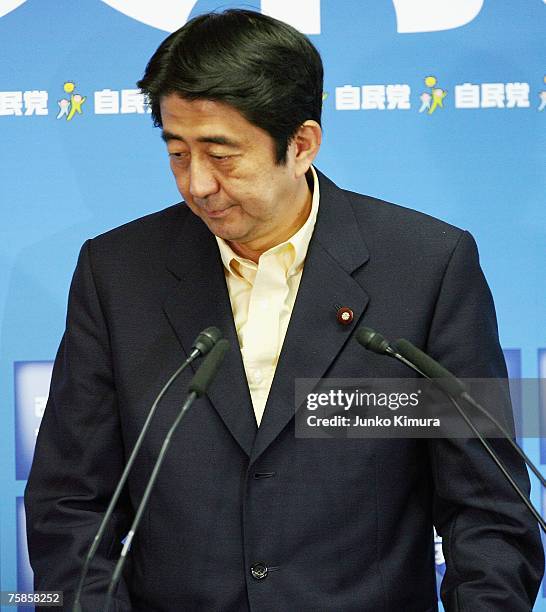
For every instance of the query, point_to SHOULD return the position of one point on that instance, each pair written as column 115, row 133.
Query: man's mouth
column 217, row 214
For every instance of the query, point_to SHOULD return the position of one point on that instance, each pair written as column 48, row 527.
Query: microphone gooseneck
column 204, row 342
column 405, row 352
column 197, row 388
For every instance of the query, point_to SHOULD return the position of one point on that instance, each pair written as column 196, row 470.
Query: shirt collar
column 291, row 253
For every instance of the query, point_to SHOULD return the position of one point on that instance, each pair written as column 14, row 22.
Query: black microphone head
column 206, row 340
column 207, row 371
column 372, row 340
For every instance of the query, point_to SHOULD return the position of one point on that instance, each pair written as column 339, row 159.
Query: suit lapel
column 200, row 300
column 314, row 337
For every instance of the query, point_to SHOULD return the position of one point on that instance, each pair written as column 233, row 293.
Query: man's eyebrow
column 166, row 136
column 219, row 140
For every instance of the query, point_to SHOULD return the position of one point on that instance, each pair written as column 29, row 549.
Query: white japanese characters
column 369, row 97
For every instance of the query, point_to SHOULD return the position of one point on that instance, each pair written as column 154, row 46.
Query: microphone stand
column 451, row 386
column 202, row 345
column 140, row 511
column 483, row 441
column 197, row 388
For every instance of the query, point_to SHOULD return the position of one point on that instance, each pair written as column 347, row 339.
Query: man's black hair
column 264, row 68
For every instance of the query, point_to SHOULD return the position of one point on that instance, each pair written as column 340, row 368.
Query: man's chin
column 224, row 230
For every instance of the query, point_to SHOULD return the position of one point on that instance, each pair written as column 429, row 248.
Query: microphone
column 197, row 388
column 204, row 342
column 449, row 382
column 405, row 352
column 206, row 373
column 444, row 378
column 420, row 362
column 373, row 341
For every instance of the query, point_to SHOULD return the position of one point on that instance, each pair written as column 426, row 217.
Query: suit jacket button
column 258, row 571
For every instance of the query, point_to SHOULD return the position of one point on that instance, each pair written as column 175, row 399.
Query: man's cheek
column 183, row 187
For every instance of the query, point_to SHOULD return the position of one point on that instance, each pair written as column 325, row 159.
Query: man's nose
column 202, row 180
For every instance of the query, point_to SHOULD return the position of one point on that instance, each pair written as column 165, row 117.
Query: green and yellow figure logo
column 542, row 96
column 68, row 108
column 430, row 101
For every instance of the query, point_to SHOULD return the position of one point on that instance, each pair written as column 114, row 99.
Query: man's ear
column 306, row 143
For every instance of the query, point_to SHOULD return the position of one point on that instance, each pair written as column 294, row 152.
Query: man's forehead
column 209, row 121
column 202, row 121
column 176, row 105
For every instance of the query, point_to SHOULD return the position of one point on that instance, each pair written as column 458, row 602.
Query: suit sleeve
column 492, row 547
column 78, row 458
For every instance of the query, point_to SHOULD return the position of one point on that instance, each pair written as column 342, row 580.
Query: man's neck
column 254, row 249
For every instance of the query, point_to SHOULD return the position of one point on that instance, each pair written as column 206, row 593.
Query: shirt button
column 258, row 571
column 258, row 376
column 264, row 304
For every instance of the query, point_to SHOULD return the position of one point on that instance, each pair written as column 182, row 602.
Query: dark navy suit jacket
column 342, row 525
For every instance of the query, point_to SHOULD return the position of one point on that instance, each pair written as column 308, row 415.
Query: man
column 245, row 515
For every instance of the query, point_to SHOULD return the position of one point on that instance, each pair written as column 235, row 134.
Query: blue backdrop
column 433, row 104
